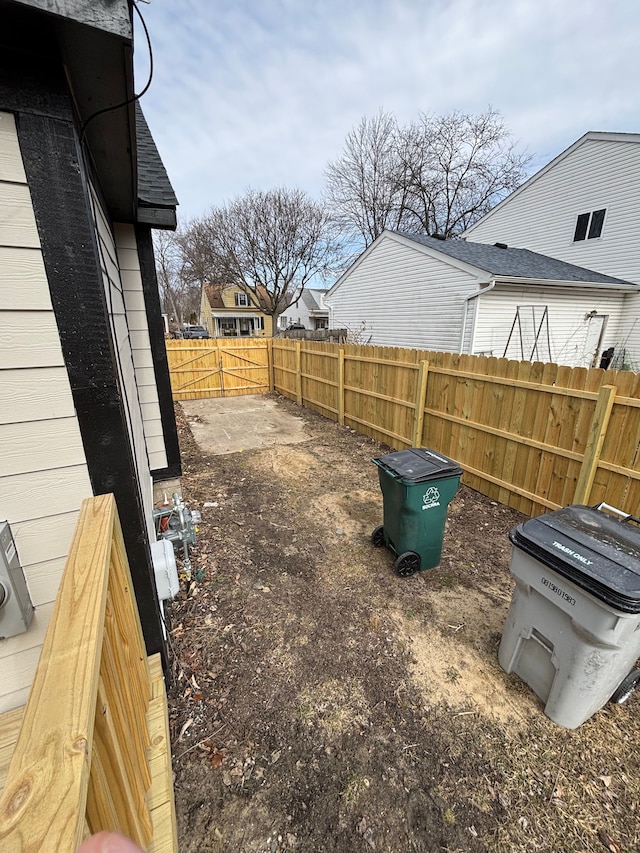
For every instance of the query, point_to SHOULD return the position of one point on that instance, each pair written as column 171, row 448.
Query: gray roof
column 515, row 263
column 309, row 300
column 154, row 186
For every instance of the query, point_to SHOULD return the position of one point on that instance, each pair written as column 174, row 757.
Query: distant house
column 227, row 311
column 583, row 208
column 457, row 296
column 310, row 311
column 86, row 404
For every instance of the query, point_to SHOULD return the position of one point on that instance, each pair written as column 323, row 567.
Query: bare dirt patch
column 320, row 703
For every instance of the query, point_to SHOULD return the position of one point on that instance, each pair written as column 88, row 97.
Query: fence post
column 271, row 372
column 341, row 387
column 595, row 440
column 421, row 399
column 298, row 374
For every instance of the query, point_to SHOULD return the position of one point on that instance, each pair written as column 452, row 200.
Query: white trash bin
column 573, row 628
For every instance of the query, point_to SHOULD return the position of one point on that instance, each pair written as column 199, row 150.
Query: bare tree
column 271, row 244
column 457, row 167
column 437, row 175
column 364, row 185
column 179, row 293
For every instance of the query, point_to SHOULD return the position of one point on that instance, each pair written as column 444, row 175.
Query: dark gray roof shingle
column 154, row 186
column 309, row 300
column 516, row 263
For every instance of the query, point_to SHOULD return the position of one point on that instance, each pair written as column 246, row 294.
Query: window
column 589, row 225
column 242, row 300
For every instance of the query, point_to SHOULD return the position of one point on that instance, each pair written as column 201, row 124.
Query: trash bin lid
column 598, row 552
column 418, row 465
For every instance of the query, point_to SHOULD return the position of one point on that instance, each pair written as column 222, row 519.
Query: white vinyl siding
column 43, row 470
column 140, row 344
column 598, row 173
column 120, row 329
column 570, row 331
column 628, row 343
column 399, row 296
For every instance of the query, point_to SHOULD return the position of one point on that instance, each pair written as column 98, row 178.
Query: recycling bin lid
column 599, row 553
column 418, row 465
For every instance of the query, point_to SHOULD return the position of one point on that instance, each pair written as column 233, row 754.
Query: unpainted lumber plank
column 160, row 795
column 10, row 723
column 43, row 803
column 115, row 792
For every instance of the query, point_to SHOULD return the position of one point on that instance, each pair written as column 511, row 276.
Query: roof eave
column 625, row 287
column 161, row 218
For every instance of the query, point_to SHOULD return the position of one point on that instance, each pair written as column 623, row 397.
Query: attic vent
column 501, row 245
column 437, row 236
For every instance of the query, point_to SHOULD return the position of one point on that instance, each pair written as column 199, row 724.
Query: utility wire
column 135, row 97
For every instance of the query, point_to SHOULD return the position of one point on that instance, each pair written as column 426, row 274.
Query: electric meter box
column 16, row 609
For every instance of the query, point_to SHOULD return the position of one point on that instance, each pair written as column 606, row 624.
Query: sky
column 262, row 93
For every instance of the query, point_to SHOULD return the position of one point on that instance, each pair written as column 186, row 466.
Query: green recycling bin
column 417, row 487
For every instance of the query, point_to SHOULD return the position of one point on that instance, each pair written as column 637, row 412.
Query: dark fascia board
column 162, row 218
column 99, row 67
column 99, row 71
column 153, row 311
column 111, row 16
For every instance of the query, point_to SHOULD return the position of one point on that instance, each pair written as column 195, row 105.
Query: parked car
column 195, row 332
column 293, row 326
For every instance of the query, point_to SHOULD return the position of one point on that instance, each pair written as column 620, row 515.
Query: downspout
column 465, row 305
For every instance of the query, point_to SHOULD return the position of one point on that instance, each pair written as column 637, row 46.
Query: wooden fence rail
column 92, row 750
column 531, row 435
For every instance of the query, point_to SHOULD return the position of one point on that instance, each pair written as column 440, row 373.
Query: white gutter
column 465, row 305
column 592, row 285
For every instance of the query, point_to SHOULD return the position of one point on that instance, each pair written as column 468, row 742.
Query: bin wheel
column 377, row 537
column 407, row 564
column 626, row 688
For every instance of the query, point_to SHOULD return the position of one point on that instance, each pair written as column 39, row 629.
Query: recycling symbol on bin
column 431, row 497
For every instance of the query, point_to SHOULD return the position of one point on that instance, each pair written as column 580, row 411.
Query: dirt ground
column 321, row 703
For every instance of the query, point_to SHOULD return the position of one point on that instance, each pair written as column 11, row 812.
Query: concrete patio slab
column 232, row 424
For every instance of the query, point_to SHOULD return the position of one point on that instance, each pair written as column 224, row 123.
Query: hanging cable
column 134, row 97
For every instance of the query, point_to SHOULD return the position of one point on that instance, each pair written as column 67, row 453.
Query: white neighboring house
column 584, row 208
column 458, row 296
column 310, row 311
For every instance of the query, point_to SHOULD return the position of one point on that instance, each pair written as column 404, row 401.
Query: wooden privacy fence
column 218, row 367
column 92, row 748
column 530, row 435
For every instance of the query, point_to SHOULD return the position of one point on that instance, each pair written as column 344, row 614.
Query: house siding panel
column 399, row 296
column 542, row 217
column 569, row 328
column 131, row 278
column 125, row 357
column 18, row 332
column 23, row 280
column 40, row 491
column 597, row 174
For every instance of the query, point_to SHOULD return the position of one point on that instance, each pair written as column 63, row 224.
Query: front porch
column 237, row 325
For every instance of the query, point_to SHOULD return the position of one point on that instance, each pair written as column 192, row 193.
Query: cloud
column 254, row 94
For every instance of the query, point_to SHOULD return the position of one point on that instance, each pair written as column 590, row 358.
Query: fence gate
column 203, row 369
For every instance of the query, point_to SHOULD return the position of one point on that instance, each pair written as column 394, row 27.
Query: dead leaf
column 194, row 682
column 606, row 780
column 217, row 758
column 185, row 728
